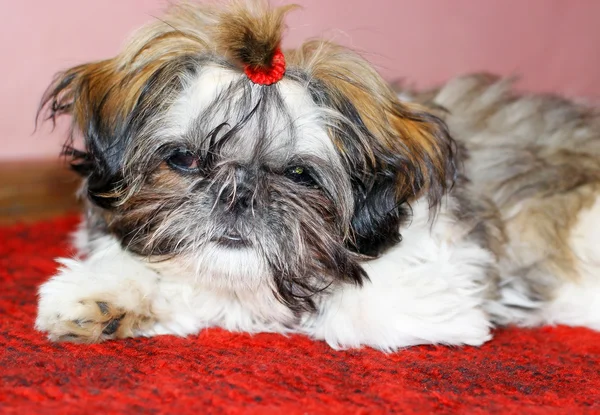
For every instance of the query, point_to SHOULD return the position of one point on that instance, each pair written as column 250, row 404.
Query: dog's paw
column 88, row 321
column 79, row 306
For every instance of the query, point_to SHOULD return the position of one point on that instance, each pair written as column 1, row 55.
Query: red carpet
column 544, row 371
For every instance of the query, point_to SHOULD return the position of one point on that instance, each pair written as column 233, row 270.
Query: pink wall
column 552, row 44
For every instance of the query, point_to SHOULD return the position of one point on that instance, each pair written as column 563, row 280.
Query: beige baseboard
column 36, row 189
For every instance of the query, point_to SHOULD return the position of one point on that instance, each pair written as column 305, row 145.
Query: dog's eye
column 184, row 160
column 301, row 175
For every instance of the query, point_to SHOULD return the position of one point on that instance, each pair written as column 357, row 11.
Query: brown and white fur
column 537, row 159
column 322, row 204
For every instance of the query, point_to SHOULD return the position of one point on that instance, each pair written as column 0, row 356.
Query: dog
column 230, row 183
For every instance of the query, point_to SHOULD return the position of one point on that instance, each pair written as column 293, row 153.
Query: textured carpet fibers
column 542, row 371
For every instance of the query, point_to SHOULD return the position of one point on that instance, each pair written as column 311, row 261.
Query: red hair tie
column 270, row 74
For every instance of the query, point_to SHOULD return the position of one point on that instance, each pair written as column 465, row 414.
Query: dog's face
column 291, row 184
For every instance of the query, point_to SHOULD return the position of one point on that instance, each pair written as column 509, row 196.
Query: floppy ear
column 109, row 104
column 421, row 164
column 394, row 152
column 110, row 101
column 90, row 93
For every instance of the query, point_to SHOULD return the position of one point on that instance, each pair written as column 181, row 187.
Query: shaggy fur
column 320, row 204
column 537, row 159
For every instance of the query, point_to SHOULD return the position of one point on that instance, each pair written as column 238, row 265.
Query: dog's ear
column 394, row 152
column 91, row 94
column 419, row 163
column 111, row 100
column 109, row 104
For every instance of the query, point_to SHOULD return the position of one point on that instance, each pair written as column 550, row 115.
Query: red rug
column 549, row 370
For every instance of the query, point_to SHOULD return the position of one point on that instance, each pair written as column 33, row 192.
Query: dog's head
column 203, row 146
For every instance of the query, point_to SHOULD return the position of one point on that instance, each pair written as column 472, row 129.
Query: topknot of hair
column 250, row 34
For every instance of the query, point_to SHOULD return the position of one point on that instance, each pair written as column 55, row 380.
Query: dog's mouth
column 232, row 239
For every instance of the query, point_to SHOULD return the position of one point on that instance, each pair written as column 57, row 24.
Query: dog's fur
column 323, row 204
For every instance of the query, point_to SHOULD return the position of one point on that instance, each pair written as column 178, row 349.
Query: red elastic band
column 270, row 75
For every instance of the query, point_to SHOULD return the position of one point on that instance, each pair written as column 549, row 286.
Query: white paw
column 71, row 308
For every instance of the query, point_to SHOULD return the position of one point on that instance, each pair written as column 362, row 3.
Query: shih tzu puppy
column 231, row 183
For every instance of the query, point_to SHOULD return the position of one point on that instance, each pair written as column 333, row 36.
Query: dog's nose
column 238, row 195
column 237, row 200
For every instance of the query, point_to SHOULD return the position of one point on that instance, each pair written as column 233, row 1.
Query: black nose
column 236, row 199
column 236, row 194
